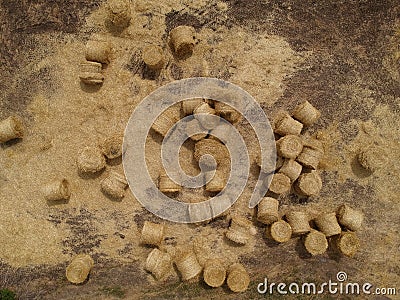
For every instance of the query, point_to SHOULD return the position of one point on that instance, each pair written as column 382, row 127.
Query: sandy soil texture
column 343, row 57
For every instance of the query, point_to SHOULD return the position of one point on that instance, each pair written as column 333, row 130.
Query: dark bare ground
column 349, row 40
column 22, row 23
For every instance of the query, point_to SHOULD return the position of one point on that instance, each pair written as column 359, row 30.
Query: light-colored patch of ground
column 72, row 117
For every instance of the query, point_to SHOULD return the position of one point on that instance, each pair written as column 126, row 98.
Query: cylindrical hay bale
column 165, row 121
column 217, row 183
column 153, row 57
column 205, row 114
column 308, row 184
column 188, row 106
column 91, row 78
column 90, row 67
column 267, row 210
column 238, row 279
column 90, row 73
column 182, row 39
column 79, row 268
column 227, row 112
column 306, row 113
column 350, row 218
column 91, row 160
column 204, row 108
column 158, row 263
column 287, row 125
column 152, row 234
column 119, row 13
column 328, row 224
column 11, row 128
column 114, row 185
column 348, row 243
column 167, row 185
column 310, row 157
column 299, row 221
column 57, row 190
column 280, row 184
column 289, row 146
column 112, row 146
column 221, row 132
column 373, row 158
column 280, row 231
column 278, row 164
column 291, row 169
column 98, row 51
column 162, row 124
column 194, row 125
column 239, row 230
column 316, row 242
column 208, row 164
column 213, row 148
column 214, row 273
column 313, row 143
column 188, row 265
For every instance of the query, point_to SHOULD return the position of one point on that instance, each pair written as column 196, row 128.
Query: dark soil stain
column 22, row 23
column 32, row 282
column 21, row 20
column 176, row 71
column 176, row 18
column 349, row 41
column 83, row 237
column 37, row 16
column 145, row 215
column 113, row 273
column 136, row 64
column 45, row 282
column 206, row 17
column 19, row 96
